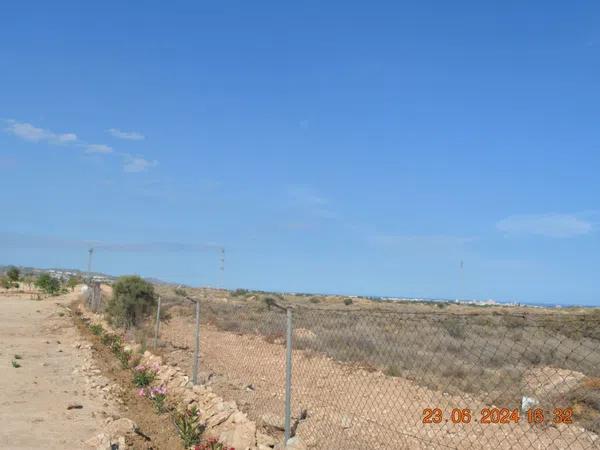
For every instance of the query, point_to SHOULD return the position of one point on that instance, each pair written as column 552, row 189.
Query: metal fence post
column 157, row 328
column 288, row 377
column 197, row 348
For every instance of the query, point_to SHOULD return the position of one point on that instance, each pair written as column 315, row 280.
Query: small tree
column 13, row 274
column 48, row 284
column 5, row 283
column 133, row 299
column 73, row 281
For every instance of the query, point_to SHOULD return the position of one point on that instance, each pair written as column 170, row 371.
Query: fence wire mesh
column 370, row 378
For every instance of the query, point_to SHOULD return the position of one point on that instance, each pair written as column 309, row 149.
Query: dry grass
column 497, row 354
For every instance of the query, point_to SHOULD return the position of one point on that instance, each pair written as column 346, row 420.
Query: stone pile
column 223, row 419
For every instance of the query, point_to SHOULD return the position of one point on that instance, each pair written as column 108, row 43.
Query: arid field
column 363, row 373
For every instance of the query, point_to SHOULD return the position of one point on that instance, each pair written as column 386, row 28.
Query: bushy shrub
column 96, row 329
column 13, row 274
column 5, row 282
column 48, row 284
column 347, row 301
column 133, row 300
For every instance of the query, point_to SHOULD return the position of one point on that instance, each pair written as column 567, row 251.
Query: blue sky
column 353, row 147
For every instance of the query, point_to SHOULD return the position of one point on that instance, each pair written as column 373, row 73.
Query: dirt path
column 54, row 374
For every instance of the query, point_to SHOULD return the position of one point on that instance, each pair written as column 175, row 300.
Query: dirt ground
column 35, row 397
column 62, row 364
column 348, row 407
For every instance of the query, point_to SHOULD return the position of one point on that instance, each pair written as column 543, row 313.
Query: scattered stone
column 75, row 406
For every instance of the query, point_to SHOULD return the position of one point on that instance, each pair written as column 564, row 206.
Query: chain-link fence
column 372, row 377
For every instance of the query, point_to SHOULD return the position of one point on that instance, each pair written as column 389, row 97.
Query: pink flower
column 142, row 392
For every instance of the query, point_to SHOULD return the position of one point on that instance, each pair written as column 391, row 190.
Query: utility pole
column 462, row 279
column 222, row 267
column 89, row 269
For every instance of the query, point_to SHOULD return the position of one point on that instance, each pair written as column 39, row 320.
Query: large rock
column 120, row 427
column 239, row 432
column 114, row 433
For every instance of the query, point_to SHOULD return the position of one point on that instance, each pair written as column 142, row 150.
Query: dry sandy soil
column 35, row 397
column 348, row 407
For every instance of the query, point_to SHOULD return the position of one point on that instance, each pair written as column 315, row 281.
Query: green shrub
column 188, row 426
column 48, row 284
column 5, row 283
column 96, row 329
column 143, row 375
column 132, row 301
column 13, row 274
column 347, row 301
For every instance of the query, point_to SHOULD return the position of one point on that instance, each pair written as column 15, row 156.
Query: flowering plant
column 144, row 375
column 158, row 396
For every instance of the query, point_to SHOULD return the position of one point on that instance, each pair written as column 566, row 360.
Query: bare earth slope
column 35, row 397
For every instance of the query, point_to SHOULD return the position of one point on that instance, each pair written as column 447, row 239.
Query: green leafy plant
column 158, row 395
column 188, row 426
column 96, row 329
column 133, row 300
column 106, row 338
column 48, row 284
column 15, row 364
column 347, row 301
column 143, row 375
column 124, row 357
column 13, row 274
column 73, row 282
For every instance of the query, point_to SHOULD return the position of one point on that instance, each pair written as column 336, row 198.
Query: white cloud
column 549, row 225
column 35, row 134
column 66, row 137
column 128, row 135
column 32, row 133
column 136, row 164
column 98, row 148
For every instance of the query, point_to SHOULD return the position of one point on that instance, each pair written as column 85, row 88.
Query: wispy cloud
column 309, row 200
column 127, row 135
column 32, row 133
column 98, row 148
column 548, row 225
column 135, row 164
column 37, row 135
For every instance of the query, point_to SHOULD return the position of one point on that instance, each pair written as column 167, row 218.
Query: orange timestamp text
column 493, row 416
